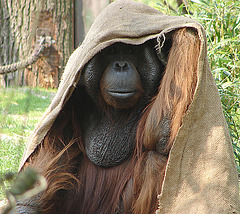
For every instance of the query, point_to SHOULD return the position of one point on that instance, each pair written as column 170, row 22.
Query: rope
column 24, row 63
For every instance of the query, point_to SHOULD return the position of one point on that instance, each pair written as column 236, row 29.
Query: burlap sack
column 201, row 175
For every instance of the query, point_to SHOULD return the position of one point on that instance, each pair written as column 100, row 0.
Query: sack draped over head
column 201, row 175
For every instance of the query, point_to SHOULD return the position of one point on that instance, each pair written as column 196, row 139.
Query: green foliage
column 25, row 185
column 21, row 109
column 221, row 20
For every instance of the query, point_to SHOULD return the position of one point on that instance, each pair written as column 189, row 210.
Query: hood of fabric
column 201, row 174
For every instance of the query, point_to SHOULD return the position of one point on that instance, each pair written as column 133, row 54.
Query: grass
column 21, row 109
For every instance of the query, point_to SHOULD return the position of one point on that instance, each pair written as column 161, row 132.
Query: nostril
column 121, row 65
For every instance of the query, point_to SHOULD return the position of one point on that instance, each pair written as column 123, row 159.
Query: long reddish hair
column 63, row 161
column 170, row 104
column 175, row 91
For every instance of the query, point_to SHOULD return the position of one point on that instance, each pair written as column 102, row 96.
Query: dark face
column 124, row 74
column 119, row 83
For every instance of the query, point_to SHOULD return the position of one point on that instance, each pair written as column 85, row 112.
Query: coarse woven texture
column 201, row 176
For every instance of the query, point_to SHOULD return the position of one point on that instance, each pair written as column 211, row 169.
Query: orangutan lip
column 121, row 94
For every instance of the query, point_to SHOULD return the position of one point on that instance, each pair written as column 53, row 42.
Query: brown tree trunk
column 21, row 23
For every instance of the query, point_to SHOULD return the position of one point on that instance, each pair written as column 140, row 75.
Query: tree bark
column 20, row 21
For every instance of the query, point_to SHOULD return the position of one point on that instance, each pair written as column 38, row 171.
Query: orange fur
column 175, row 92
column 175, row 95
column 65, row 164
